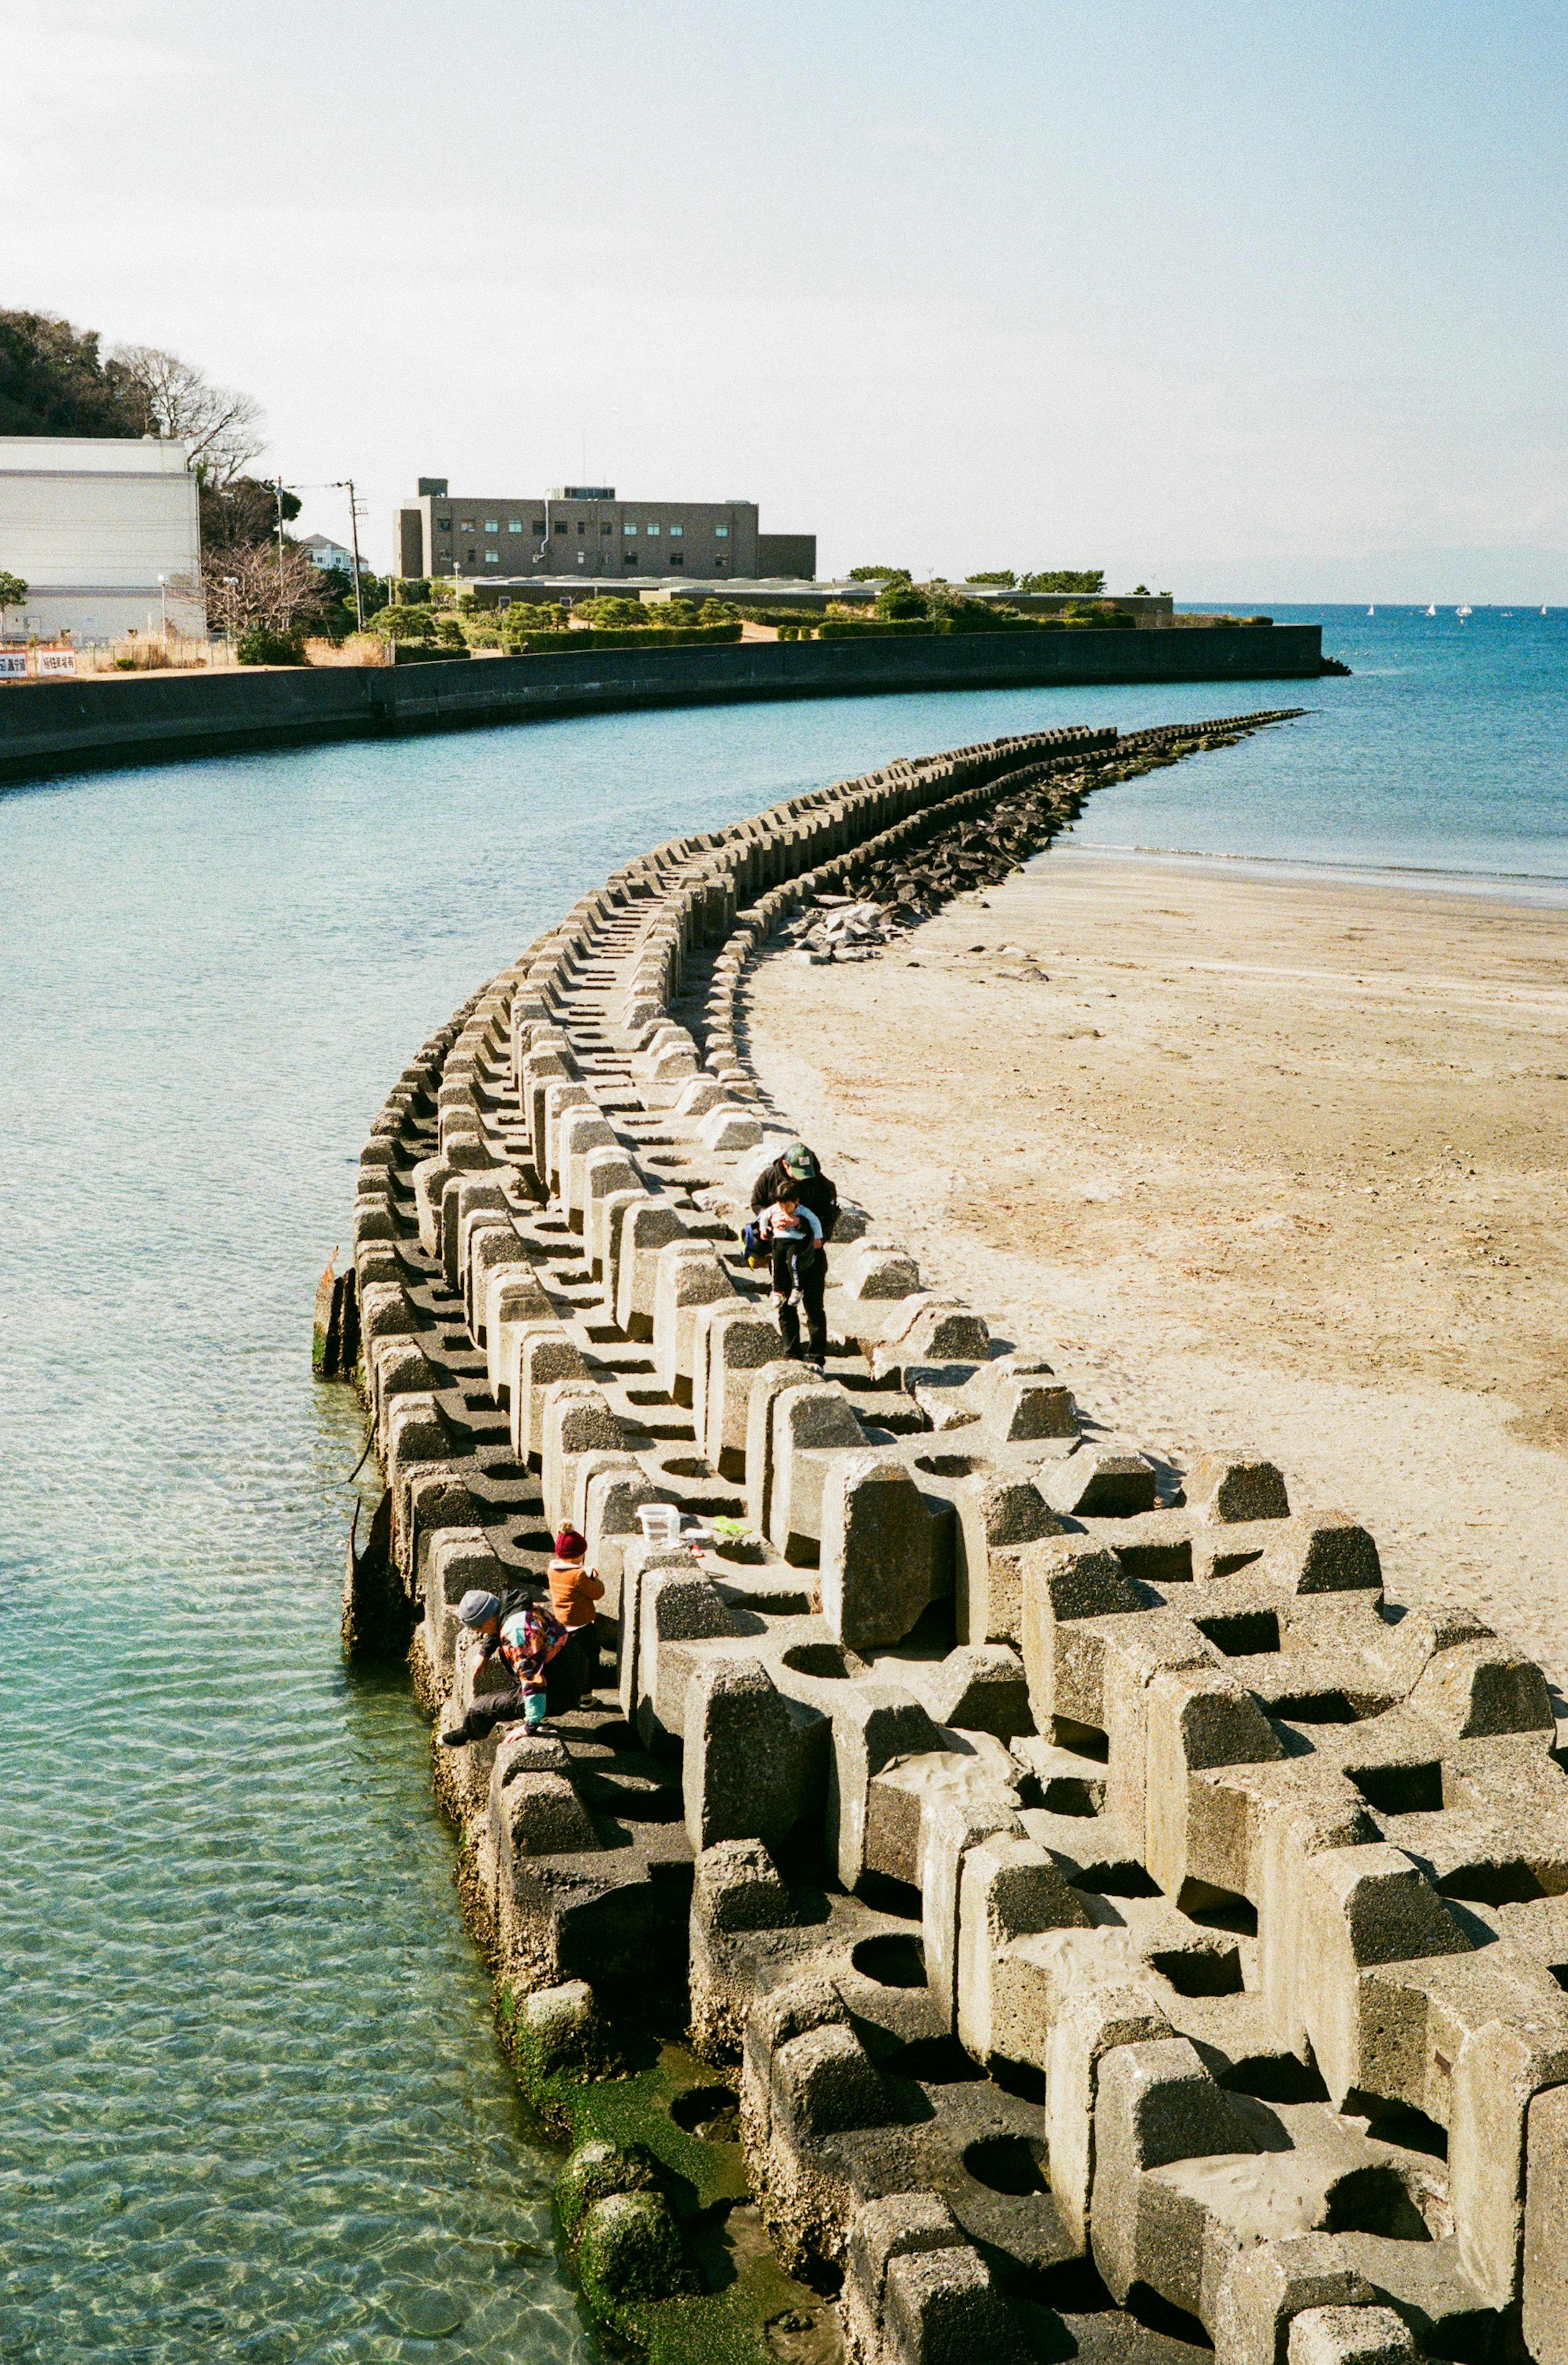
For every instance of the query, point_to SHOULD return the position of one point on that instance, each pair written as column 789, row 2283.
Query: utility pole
column 279, row 491
column 354, row 529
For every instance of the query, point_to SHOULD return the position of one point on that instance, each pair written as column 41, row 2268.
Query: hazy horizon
column 1239, row 302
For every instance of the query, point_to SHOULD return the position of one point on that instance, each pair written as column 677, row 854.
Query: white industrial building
column 104, row 534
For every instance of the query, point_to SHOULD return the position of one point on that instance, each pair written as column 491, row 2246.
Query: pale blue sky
column 1238, row 300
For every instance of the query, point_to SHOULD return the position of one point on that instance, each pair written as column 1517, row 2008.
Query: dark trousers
column 805, row 1270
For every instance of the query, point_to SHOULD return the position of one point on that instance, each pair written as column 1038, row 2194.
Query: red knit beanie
column 569, row 1545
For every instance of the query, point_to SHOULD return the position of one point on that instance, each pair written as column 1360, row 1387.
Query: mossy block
column 593, row 2172
column 558, row 2042
column 630, row 2255
column 649, row 2109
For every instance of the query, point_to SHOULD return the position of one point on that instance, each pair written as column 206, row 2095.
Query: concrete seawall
column 1118, row 1929
column 68, row 726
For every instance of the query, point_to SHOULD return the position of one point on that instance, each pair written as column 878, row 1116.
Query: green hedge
column 426, row 653
column 632, row 637
column 878, row 628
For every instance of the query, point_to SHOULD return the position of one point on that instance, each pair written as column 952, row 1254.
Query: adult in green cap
column 799, row 1172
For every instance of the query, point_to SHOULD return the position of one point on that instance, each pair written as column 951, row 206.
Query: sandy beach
column 1253, row 1159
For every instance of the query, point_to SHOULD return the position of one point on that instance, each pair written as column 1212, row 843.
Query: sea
column 252, row 2107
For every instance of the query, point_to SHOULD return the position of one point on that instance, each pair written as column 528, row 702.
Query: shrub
column 426, row 653
column 260, row 646
column 1003, row 577
column 879, row 574
column 1065, row 578
column 873, row 628
column 409, row 622
column 901, row 603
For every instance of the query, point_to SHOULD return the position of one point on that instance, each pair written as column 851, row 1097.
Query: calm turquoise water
column 1444, row 758
column 250, row 2108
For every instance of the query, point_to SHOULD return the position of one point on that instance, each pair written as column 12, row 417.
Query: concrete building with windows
column 586, row 532
column 104, row 532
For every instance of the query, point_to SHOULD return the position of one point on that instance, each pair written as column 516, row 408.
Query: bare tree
column 222, row 427
column 254, row 583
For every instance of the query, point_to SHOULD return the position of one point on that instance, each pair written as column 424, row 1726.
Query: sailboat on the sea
column 1371, row 612
column 1463, row 612
column 1432, row 612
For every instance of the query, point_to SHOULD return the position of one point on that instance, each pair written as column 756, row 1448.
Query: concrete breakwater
column 70, row 726
column 1111, row 1927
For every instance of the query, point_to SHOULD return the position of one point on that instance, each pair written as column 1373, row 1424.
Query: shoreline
column 1281, row 1168
column 1544, row 888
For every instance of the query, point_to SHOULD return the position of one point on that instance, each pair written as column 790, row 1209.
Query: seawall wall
column 68, row 725
column 1119, row 1928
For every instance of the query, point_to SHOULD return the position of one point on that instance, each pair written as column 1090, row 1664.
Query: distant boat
column 1371, row 612
column 1543, row 611
column 1432, row 612
column 1463, row 612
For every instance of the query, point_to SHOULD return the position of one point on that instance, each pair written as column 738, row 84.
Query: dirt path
column 1266, row 1160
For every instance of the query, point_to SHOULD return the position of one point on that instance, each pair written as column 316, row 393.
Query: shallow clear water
column 1443, row 758
column 249, row 2102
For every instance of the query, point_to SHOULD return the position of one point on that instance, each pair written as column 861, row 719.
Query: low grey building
column 586, row 532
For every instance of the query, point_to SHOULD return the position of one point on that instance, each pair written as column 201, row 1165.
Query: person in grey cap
column 799, row 1172
column 527, row 1638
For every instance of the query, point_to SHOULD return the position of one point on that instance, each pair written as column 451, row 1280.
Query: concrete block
column 1093, row 1484
column 543, row 1359
column 874, row 1270
column 1358, row 1907
column 575, row 1418
column 647, row 1229
column 1009, row 1889
column 540, row 1814
column 1483, row 1687
column 1195, row 1718
column 813, row 1426
column 1265, row 2288
column 871, row 1726
column 996, row 1516
column 955, row 1816
column 1349, row 2335
column 1326, row 1552
column 905, row 2225
column 740, row 1762
column 978, row 1688
column 738, row 1886
column 878, row 1549
column 1507, row 2158
column 941, row 2308
column 824, row 2082
column 1091, row 2023
column 1156, row 2103
column 734, row 1341
column 689, row 1276
column 1546, row 2229
column 1233, row 1483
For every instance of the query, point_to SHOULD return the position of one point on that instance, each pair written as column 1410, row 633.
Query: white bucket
column 661, row 1522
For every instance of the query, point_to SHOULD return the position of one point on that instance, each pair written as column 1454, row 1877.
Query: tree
column 1065, row 578
column 879, row 575
column 255, row 584
column 13, row 592
column 222, row 427
column 901, row 603
column 1003, row 577
column 245, row 510
column 54, row 381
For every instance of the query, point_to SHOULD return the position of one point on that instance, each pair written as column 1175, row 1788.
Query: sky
column 1239, row 301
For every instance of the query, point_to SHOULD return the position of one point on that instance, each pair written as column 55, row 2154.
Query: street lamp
column 164, row 591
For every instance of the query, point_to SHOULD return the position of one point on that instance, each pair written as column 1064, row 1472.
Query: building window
column 492, row 558
column 514, row 525
column 721, row 533
column 631, row 558
column 468, row 525
column 561, row 526
column 470, row 555
column 607, row 529
column 538, row 525
column 628, row 529
column 581, row 527
column 675, row 532
column 492, row 525
column 678, row 558
column 650, row 529
column 444, row 525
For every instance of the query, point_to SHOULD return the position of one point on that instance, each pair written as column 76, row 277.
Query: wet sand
column 1261, row 1159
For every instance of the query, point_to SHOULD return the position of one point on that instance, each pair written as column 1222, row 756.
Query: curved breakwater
column 1031, row 1828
